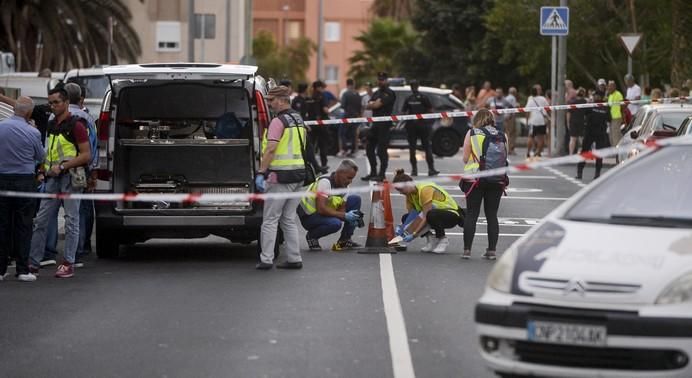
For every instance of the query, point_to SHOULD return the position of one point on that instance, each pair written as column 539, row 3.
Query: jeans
column 347, row 134
column 15, row 221
column 51, row 251
column 86, row 225
column 49, row 210
column 280, row 211
column 378, row 140
column 319, row 225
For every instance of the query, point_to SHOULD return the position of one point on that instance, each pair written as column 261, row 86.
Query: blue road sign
column 554, row 21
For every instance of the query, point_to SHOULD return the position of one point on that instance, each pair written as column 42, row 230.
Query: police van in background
column 179, row 129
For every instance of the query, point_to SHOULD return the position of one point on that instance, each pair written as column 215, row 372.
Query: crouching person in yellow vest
column 322, row 213
column 435, row 208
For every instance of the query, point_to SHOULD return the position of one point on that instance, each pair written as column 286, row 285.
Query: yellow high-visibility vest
column 309, row 202
column 448, row 204
column 288, row 157
column 473, row 165
column 60, row 149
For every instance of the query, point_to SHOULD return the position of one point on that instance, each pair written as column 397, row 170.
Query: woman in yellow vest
column 433, row 206
column 479, row 191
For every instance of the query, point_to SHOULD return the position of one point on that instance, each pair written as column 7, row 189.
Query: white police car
column 603, row 286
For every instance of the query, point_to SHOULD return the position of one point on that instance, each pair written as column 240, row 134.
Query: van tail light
column 103, row 132
column 262, row 112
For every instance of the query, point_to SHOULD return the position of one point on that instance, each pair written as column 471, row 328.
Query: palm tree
column 66, row 33
column 381, row 43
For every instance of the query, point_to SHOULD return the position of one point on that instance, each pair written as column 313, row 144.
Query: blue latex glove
column 408, row 237
column 352, row 217
column 259, row 183
column 399, row 230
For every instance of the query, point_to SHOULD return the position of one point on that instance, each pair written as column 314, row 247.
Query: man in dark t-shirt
column 381, row 103
column 353, row 107
column 597, row 121
column 418, row 103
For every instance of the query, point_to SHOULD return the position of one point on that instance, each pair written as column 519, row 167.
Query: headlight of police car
column 679, row 291
column 500, row 277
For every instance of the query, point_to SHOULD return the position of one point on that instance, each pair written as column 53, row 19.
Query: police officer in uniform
column 418, row 103
column 381, row 103
column 597, row 121
column 282, row 170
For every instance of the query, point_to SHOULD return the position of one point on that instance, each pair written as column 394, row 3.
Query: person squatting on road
column 418, row 103
column 381, row 103
column 322, row 213
column 485, row 148
column 434, row 207
column 597, row 122
column 282, row 170
column 20, row 152
column 68, row 154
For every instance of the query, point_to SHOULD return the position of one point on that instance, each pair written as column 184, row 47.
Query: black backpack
column 493, row 155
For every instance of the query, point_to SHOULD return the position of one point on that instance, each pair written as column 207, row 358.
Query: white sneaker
column 3, row 276
column 431, row 243
column 441, row 246
column 26, row 277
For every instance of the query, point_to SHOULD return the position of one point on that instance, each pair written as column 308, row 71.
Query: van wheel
column 107, row 246
column 446, row 142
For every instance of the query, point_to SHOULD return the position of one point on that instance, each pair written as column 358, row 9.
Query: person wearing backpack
column 67, row 155
column 75, row 96
column 485, row 148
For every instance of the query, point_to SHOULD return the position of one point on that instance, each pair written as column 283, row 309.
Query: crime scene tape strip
column 470, row 114
column 250, row 197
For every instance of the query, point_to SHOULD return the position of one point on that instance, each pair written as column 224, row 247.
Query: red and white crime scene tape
column 249, row 197
column 470, row 114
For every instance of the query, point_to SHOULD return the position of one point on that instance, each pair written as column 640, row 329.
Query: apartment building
column 288, row 20
column 163, row 27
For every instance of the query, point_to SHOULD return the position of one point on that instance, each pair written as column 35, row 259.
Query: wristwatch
column 62, row 168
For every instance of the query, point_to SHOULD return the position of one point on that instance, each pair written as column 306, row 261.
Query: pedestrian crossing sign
column 554, row 21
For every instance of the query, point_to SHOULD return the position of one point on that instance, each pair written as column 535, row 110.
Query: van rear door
column 182, row 129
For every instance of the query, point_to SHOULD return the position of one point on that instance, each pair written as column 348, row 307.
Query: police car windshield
column 653, row 190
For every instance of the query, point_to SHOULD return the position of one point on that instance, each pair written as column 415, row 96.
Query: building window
column 332, row 74
column 168, row 36
column 294, row 30
column 206, row 22
column 332, row 32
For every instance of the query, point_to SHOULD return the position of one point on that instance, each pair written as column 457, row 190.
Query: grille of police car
column 537, row 284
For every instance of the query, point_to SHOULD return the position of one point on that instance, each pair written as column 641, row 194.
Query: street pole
column 110, row 40
column 561, row 76
column 248, row 28
column 191, row 31
column 320, row 38
column 629, row 64
column 553, row 73
column 227, row 54
column 203, row 18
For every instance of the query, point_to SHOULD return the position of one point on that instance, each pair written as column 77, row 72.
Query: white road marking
column 566, row 177
column 421, row 176
column 481, row 234
column 509, row 189
column 402, row 363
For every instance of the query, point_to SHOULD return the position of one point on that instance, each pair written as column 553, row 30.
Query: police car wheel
column 446, row 142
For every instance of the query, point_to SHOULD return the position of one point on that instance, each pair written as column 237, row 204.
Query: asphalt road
column 197, row 308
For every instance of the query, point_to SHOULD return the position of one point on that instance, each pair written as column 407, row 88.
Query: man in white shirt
column 634, row 92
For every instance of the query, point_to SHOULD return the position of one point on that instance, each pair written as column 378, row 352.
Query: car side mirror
column 634, row 134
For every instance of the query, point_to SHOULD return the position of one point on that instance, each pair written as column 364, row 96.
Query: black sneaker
column 343, row 245
column 414, row 172
column 313, row 244
column 368, row 177
column 263, row 266
column 433, row 172
column 290, row 265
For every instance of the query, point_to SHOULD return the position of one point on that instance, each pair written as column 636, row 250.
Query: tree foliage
column 72, row 33
column 382, row 45
column 289, row 62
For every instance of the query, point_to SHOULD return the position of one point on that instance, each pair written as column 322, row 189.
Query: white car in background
column 94, row 81
column 603, row 286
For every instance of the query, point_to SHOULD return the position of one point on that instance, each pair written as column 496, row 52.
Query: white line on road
column 566, row 177
column 481, row 234
column 402, row 363
column 421, row 176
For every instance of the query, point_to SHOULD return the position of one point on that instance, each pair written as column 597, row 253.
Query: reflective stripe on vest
column 448, row 204
column 473, row 165
column 309, row 202
column 288, row 155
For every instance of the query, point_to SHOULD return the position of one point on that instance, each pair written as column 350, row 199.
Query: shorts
column 535, row 130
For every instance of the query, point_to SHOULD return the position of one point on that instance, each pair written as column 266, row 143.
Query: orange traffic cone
column 381, row 227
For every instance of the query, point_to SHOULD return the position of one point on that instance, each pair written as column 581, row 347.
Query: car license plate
column 566, row 333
